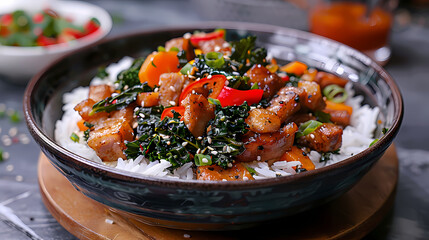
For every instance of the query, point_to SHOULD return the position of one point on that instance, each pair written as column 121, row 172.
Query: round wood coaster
column 352, row 215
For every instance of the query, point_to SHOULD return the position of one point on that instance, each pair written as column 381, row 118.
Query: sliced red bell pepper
column 38, row 18
column 286, row 78
column 208, row 87
column 233, row 97
column 199, row 37
column 167, row 112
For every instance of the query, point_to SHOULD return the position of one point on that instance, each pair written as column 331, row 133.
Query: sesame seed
column 258, row 158
column 224, row 149
column 214, row 152
column 141, row 115
column 186, row 235
column 217, row 48
column 204, row 160
column 199, row 138
column 184, row 143
column 210, row 148
column 245, row 178
column 142, row 103
column 5, row 155
column 19, row 178
column 209, row 140
column 135, row 124
column 199, row 150
column 229, row 164
column 168, row 142
column 233, row 68
column 108, row 221
column 7, row 141
column 224, row 180
column 226, row 83
column 126, row 87
column 156, row 90
column 193, row 91
column 229, row 77
column 9, row 168
column 172, row 89
column 187, row 35
column 252, row 107
column 209, row 76
column 312, row 136
column 115, row 94
column 172, row 102
column 136, row 109
column 13, row 131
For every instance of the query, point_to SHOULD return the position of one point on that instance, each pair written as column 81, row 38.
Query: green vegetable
column 102, row 73
column 74, row 137
column 245, row 53
column 251, row 170
column 307, row 128
column 214, row 59
column 15, row 117
column 186, row 69
column 183, row 60
column 335, row 93
column 384, row 130
column 373, row 142
column 161, row 49
column 255, row 86
column 120, row 100
column 174, row 49
column 322, row 116
column 86, row 134
column 1, row 155
column 202, row 160
column 130, row 77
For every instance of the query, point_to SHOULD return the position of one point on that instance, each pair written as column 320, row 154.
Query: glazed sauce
column 346, row 22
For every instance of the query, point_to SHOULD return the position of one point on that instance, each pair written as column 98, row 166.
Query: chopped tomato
column 38, row 18
column 45, row 41
column 168, row 112
column 208, row 87
column 91, row 26
column 233, row 97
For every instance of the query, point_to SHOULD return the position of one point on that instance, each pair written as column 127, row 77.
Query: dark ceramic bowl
column 211, row 205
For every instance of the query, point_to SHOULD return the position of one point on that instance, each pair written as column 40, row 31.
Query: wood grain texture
column 350, row 216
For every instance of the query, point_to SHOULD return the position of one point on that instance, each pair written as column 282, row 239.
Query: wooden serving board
column 351, row 216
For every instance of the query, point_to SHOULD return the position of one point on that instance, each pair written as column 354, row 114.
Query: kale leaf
column 121, row 100
column 245, row 53
column 129, row 77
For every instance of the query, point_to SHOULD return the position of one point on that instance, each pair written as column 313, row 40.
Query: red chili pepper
column 45, row 41
column 233, row 97
column 195, row 39
column 38, row 18
column 167, row 112
column 91, row 26
column 286, row 78
column 208, row 87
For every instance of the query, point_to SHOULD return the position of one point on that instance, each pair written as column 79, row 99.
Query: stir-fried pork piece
column 286, row 102
column 100, row 92
column 324, row 79
column 313, row 99
column 171, row 85
column 181, row 44
column 84, row 109
column 198, row 112
column 127, row 114
column 296, row 154
column 107, row 138
column 267, row 146
column 326, row 138
column 214, row 45
column 263, row 121
column 267, row 81
column 301, row 118
column 339, row 117
column 215, row 173
column 148, row 99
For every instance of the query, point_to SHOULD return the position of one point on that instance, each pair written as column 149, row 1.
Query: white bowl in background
column 19, row 64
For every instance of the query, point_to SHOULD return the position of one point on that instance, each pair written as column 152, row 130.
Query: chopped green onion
column 153, row 64
column 255, row 86
column 174, row 49
column 1, row 155
column 214, row 101
column 14, row 117
column 335, row 93
column 74, row 137
column 202, row 160
column 251, row 170
column 88, row 125
column 322, row 116
column 214, row 59
column 373, row 142
column 384, row 131
column 161, row 49
column 307, row 128
column 186, row 69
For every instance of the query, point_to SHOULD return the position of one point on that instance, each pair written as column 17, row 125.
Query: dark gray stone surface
column 409, row 66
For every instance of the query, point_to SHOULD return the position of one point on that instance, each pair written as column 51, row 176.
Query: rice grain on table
column 356, row 137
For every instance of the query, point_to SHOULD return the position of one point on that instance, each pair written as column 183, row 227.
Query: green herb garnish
column 214, row 59
column 102, row 73
column 373, row 142
column 130, row 77
column 202, row 160
column 307, row 128
column 335, row 93
column 74, row 137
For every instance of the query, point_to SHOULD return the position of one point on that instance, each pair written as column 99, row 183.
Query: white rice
column 356, row 137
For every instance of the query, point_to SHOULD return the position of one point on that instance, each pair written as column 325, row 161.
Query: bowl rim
column 105, row 27
column 123, row 175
